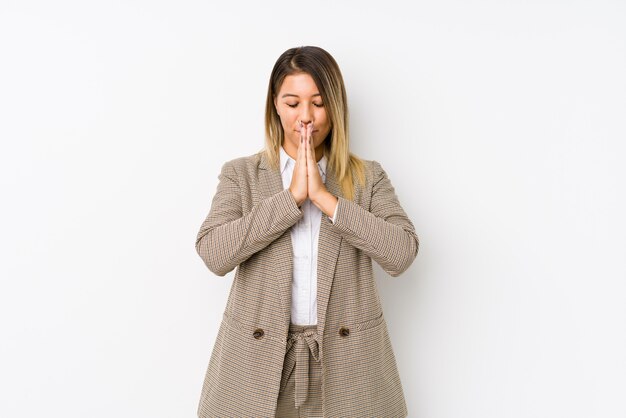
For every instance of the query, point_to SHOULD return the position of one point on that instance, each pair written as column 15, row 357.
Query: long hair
column 323, row 68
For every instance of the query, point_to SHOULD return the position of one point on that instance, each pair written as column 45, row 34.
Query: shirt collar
column 285, row 158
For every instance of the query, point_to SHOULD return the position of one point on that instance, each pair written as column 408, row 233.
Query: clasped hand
column 306, row 180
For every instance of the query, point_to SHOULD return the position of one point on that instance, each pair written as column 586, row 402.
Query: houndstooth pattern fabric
column 247, row 228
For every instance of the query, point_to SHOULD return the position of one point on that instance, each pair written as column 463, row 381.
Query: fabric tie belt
column 301, row 340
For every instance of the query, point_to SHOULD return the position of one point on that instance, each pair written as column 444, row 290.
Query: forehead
column 300, row 85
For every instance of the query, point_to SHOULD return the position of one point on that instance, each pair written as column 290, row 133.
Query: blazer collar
column 264, row 163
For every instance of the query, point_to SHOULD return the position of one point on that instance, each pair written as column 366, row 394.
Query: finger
column 299, row 150
column 310, row 145
column 302, row 146
column 310, row 132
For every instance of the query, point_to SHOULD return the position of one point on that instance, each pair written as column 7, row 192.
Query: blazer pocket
column 354, row 328
column 372, row 323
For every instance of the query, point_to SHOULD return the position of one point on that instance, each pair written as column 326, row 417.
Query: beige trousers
column 301, row 384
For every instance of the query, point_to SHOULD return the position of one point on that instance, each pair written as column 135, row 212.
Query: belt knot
column 304, row 342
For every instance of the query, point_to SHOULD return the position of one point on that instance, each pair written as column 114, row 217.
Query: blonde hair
column 323, row 68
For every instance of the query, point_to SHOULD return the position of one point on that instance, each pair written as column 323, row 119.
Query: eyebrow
column 295, row 95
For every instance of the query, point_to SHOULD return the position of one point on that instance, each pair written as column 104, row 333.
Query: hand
column 306, row 180
column 299, row 181
column 315, row 185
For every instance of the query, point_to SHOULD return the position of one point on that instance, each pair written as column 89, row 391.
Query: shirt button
column 344, row 331
column 258, row 333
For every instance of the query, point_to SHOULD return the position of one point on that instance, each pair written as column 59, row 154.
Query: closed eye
column 317, row 105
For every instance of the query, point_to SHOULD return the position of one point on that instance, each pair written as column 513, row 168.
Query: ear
column 276, row 105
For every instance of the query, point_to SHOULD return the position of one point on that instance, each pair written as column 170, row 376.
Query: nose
column 307, row 114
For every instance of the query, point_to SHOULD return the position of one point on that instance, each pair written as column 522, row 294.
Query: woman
column 303, row 332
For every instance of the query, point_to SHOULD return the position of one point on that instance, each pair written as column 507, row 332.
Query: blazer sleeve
column 385, row 233
column 227, row 237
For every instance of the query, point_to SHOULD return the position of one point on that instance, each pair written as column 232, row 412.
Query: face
column 300, row 100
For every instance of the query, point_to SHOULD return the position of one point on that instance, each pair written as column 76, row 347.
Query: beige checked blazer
column 248, row 227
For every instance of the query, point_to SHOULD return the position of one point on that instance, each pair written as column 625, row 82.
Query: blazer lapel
column 270, row 183
column 327, row 253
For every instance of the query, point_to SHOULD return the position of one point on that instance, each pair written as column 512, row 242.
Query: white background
column 501, row 125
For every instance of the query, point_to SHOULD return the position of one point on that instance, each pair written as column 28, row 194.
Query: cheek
column 323, row 118
column 327, row 122
column 288, row 115
column 285, row 117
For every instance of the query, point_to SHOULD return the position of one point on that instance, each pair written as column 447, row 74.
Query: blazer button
column 258, row 333
column 344, row 331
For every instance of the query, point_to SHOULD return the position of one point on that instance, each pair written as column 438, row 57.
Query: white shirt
column 304, row 240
